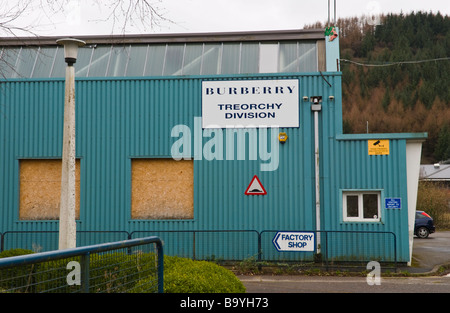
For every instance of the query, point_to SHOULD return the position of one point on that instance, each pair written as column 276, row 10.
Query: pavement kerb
column 433, row 271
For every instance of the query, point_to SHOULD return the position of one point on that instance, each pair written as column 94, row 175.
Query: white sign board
column 250, row 103
column 294, row 241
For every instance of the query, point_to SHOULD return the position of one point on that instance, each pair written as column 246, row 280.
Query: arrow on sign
column 275, row 241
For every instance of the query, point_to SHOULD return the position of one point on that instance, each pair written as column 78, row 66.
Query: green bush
column 115, row 272
column 125, row 273
column 108, row 273
column 120, row 272
column 14, row 252
column 183, row 275
column 15, row 278
column 434, row 199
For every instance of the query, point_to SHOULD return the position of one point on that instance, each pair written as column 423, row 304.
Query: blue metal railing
column 235, row 245
column 84, row 255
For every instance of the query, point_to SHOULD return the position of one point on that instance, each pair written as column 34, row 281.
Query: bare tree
column 9, row 15
column 134, row 12
column 142, row 14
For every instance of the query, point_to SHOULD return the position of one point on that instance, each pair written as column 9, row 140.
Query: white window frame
column 360, row 194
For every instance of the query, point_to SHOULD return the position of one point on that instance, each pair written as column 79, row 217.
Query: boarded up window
column 40, row 189
column 162, row 189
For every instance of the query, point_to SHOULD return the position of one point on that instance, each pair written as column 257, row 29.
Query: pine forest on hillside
column 396, row 77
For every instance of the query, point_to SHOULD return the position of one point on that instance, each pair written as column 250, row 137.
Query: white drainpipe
column 316, row 108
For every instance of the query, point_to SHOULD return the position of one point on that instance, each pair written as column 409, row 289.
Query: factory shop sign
column 294, row 241
column 250, row 103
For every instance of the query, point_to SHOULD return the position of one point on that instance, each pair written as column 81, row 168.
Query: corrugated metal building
column 149, row 162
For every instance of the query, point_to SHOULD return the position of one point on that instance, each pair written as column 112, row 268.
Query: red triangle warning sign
column 255, row 187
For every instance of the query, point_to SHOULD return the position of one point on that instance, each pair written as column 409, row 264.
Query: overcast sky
column 233, row 15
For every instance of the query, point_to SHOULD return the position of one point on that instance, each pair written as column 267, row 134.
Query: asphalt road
column 320, row 284
column 428, row 255
column 431, row 252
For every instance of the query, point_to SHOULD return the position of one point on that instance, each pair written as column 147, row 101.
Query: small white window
column 361, row 206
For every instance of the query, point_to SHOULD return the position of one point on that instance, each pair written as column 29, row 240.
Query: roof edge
column 393, row 136
column 293, row 34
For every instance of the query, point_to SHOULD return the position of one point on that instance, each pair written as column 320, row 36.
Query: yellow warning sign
column 378, row 147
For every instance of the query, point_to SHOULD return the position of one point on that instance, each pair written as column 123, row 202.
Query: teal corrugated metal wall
column 356, row 170
column 125, row 118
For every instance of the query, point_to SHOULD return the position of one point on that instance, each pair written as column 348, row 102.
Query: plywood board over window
column 40, row 189
column 162, row 189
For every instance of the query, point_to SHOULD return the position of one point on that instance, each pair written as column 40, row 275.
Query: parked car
column 423, row 225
